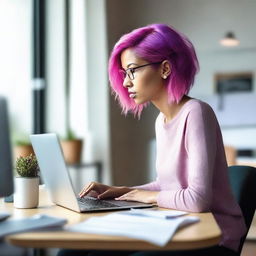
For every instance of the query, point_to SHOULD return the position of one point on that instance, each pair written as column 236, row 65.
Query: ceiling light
column 229, row 40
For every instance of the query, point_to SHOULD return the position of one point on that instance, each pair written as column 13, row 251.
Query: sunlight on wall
column 15, row 61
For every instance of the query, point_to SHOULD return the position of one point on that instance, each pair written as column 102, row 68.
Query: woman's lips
column 132, row 95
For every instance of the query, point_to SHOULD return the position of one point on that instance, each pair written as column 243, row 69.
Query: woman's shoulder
column 200, row 106
column 200, row 110
column 193, row 109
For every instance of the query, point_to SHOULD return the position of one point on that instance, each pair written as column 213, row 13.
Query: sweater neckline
column 169, row 123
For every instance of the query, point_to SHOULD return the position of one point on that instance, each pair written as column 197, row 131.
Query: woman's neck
column 170, row 110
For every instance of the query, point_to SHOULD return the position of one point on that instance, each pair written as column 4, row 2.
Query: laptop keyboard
column 93, row 203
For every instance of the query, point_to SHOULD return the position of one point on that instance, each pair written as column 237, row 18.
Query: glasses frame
column 130, row 71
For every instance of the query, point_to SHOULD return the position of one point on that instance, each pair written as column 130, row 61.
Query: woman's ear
column 166, row 69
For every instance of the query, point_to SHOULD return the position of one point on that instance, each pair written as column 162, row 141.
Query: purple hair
column 155, row 43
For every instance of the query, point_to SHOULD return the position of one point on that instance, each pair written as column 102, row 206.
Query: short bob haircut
column 155, row 43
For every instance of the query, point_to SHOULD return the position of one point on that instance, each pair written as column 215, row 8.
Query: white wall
column 97, row 84
column 56, row 59
column 55, row 67
column 78, row 72
column 15, row 63
column 89, row 82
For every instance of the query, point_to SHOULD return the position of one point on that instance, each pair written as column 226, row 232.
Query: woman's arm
column 200, row 140
column 139, row 195
column 200, row 144
column 146, row 193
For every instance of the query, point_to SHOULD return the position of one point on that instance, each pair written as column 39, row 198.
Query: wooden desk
column 202, row 234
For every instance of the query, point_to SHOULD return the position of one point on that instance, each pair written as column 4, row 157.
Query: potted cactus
column 26, row 182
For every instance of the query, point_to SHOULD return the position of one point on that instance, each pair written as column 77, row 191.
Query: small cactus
column 27, row 166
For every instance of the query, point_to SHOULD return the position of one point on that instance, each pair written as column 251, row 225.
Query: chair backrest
column 243, row 184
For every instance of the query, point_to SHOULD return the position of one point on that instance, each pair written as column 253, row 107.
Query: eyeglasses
column 130, row 71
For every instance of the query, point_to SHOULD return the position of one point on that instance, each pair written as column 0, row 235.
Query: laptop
column 57, row 180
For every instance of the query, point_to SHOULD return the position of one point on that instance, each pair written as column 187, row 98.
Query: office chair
column 243, row 184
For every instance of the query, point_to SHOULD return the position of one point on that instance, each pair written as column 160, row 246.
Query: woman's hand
column 139, row 195
column 102, row 191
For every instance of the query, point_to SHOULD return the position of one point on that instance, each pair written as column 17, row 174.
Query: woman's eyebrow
column 128, row 66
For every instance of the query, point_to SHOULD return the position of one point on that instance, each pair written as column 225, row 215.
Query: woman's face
column 148, row 83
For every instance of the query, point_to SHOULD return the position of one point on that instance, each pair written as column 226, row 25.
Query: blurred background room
column 53, row 71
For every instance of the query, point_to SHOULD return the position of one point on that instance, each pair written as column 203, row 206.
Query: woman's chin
column 139, row 101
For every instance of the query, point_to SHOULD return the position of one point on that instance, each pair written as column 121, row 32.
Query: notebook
column 4, row 216
column 57, row 180
column 39, row 221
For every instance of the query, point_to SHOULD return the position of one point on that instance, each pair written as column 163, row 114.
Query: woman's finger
column 87, row 189
column 104, row 195
column 84, row 188
column 110, row 193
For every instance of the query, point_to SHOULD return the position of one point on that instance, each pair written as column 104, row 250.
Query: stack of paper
column 38, row 221
column 164, row 214
column 156, row 227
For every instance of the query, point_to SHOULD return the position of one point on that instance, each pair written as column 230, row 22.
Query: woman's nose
column 127, row 82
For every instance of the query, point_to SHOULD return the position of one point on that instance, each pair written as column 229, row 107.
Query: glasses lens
column 130, row 73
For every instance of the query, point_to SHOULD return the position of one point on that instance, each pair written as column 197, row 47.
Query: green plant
column 70, row 135
column 22, row 143
column 27, row 166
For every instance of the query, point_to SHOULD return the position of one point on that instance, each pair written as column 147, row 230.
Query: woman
column 157, row 64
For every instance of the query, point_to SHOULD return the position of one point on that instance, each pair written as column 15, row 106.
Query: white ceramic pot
column 26, row 192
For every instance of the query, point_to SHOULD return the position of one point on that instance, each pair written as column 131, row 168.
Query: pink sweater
column 192, row 169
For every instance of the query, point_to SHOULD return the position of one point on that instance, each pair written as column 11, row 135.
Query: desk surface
column 202, row 234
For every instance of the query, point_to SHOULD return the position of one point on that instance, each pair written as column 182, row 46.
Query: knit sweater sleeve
column 200, row 146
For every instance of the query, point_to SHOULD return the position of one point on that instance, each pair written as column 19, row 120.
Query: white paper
column 164, row 214
column 154, row 230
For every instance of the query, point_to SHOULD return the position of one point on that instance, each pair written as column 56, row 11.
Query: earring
column 164, row 76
